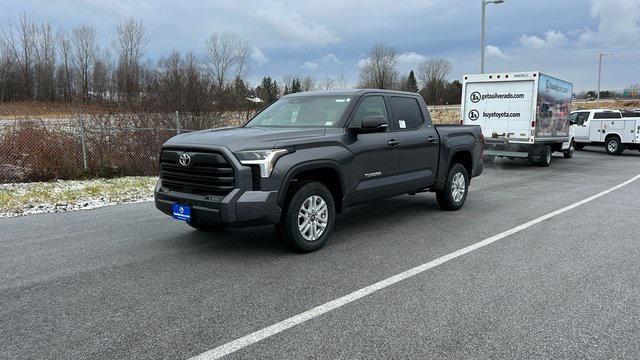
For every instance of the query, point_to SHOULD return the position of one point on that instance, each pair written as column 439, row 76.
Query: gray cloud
column 291, row 26
column 558, row 37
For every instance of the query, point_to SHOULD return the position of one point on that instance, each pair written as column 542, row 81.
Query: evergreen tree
column 412, row 84
column 295, row 85
column 267, row 91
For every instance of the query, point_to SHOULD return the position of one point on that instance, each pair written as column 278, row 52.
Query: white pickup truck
column 616, row 130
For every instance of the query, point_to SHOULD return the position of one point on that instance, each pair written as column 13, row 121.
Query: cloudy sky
column 330, row 38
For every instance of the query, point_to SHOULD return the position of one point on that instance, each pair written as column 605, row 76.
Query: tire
column 302, row 206
column 488, row 159
column 450, row 198
column 613, row 146
column 544, row 156
column 568, row 154
column 204, row 227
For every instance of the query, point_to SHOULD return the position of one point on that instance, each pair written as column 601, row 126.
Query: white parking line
column 269, row 331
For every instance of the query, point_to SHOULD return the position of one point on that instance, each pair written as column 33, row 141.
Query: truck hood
column 243, row 138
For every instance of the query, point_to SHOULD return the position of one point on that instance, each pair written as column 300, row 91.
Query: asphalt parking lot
column 128, row 282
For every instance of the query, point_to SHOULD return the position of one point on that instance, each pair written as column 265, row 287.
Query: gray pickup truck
column 309, row 156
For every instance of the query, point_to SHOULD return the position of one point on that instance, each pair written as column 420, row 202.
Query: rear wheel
column 488, row 159
column 454, row 194
column 613, row 146
column 544, row 156
column 308, row 218
column 568, row 154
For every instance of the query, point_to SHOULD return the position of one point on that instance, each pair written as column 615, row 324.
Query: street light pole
column 600, row 73
column 484, row 5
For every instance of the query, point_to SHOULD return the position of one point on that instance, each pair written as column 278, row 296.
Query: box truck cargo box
column 522, row 114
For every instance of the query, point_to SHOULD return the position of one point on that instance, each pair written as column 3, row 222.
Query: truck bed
column 454, row 138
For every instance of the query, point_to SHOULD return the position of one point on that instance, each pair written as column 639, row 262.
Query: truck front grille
column 207, row 173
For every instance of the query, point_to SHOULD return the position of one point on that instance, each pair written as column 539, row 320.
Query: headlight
column 266, row 159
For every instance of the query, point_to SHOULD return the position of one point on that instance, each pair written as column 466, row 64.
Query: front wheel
column 454, row 194
column 568, row 154
column 308, row 218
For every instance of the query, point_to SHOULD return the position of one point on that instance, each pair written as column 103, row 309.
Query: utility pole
column 600, row 73
column 484, row 5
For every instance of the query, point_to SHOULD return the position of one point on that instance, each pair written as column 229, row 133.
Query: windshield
column 303, row 111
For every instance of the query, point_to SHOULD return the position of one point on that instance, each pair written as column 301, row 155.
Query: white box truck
column 616, row 130
column 522, row 114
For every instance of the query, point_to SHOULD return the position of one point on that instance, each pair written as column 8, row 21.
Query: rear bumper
column 518, row 150
column 237, row 209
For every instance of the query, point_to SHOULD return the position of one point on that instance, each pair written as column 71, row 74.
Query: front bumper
column 237, row 209
column 241, row 207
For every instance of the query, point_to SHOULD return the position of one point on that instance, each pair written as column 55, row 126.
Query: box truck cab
column 522, row 114
column 616, row 130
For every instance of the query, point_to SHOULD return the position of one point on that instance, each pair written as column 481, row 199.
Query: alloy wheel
column 458, row 187
column 313, row 218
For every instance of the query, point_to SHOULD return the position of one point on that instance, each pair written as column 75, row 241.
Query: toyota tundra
column 308, row 156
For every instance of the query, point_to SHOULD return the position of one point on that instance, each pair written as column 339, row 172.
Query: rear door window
column 406, row 111
column 630, row 114
column 607, row 115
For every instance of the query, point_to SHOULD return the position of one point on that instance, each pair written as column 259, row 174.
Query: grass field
column 61, row 110
column 68, row 195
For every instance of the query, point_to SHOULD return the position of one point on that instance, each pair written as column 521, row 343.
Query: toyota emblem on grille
column 184, row 159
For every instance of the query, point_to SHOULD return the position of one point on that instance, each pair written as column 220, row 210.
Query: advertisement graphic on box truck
column 554, row 107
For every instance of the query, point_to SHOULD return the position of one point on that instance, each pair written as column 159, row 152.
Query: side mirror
column 371, row 124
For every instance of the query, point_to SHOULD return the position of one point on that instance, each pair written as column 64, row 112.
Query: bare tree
column 308, row 84
column 196, row 85
column 341, row 82
column 65, row 71
column 101, row 75
column 21, row 46
column 45, row 63
column 6, row 70
column 130, row 42
column 171, row 80
column 84, row 52
column 432, row 76
column 328, row 84
column 242, row 68
column 227, row 57
column 379, row 71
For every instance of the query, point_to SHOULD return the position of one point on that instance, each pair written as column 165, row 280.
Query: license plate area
column 181, row 212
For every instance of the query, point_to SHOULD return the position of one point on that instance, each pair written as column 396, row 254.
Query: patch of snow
column 112, row 192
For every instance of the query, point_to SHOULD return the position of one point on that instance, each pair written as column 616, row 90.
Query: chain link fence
column 67, row 141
